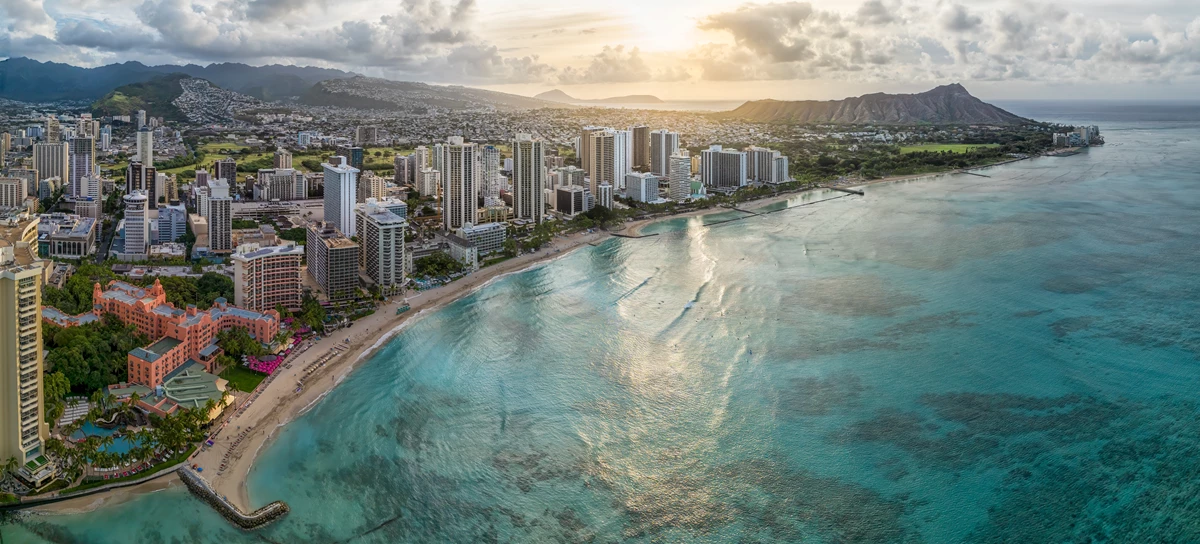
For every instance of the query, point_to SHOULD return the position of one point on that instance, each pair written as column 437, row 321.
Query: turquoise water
column 120, row 444
column 1001, row 359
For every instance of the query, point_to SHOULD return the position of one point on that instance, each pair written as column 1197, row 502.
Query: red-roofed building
column 181, row 334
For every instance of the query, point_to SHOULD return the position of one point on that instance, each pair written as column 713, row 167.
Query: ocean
column 1010, row 358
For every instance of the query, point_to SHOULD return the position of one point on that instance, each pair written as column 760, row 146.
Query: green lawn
column 245, row 379
column 952, row 148
column 214, row 148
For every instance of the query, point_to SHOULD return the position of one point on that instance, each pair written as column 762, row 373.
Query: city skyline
column 703, row 50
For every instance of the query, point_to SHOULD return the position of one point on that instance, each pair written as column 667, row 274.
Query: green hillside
column 154, row 96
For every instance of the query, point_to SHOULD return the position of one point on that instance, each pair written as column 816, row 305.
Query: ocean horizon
column 1009, row 358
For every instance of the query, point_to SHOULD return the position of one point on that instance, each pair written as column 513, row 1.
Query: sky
column 677, row 50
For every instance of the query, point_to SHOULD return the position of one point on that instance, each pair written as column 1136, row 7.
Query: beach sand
column 279, row 402
column 248, row 431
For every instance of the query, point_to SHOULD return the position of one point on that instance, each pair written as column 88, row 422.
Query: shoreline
column 634, row 228
column 253, row 427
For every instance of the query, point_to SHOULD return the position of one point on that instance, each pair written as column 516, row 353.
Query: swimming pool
column 120, row 445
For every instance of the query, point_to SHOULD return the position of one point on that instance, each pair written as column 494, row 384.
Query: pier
column 254, row 520
column 850, row 191
column 975, row 174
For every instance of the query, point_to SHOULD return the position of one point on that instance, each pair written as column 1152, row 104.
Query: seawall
column 254, row 520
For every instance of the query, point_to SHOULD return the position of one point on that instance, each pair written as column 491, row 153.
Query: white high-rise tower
column 529, row 178
column 460, row 183
column 341, row 194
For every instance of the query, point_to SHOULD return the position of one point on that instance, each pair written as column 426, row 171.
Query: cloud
column 448, row 41
column 874, row 12
column 103, row 35
column 618, row 65
column 958, row 19
column 770, row 30
column 909, row 41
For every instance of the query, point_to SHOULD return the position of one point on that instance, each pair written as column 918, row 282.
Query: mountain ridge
column 415, row 97
column 943, row 105
column 28, row 80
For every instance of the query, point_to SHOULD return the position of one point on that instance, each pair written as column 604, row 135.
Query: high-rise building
column 555, row 161
column 53, row 130
column 460, row 183
column 529, row 178
column 490, row 166
column 421, row 156
column 438, row 157
column 140, row 177
column 605, row 196
column 332, row 260
column 172, row 223
column 13, row 192
column 227, row 169
column 571, row 199
column 610, row 150
column 145, row 146
column 282, row 159
column 265, row 278
column 5, row 146
column 571, row 175
column 722, row 168
column 381, row 251
column 137, row 225
column 366, row 136
column 220, row 217
column 583, row 149
column 679, row 182
column 23, row 428
column 341, row 194
column 641, row 147
column 50, row 160
column 370, row 186
column 141, row 119
column 663, row 144
column 81, row 156
column 29, row 175
column 394, row 205
column 429, row 182
column 280, row 184
column 487, row 238
column 642, row 187
column 782, row 172
column 353, row 154
column 401, row 173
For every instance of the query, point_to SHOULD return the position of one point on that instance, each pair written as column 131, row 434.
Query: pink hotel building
column 181, row 334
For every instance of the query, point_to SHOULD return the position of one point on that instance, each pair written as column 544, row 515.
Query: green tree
column 55, row 387
column 237, row 343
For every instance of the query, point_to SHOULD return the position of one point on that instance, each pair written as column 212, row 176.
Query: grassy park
column 944, row 148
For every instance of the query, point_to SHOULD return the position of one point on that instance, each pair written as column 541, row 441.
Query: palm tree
column 12, row 465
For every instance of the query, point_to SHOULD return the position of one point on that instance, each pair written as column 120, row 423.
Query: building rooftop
column 63, row 320
column 163, row 346
column 18, row 239
column 259, row 252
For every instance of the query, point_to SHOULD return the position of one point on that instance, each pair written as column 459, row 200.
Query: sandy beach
column 278, row 402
